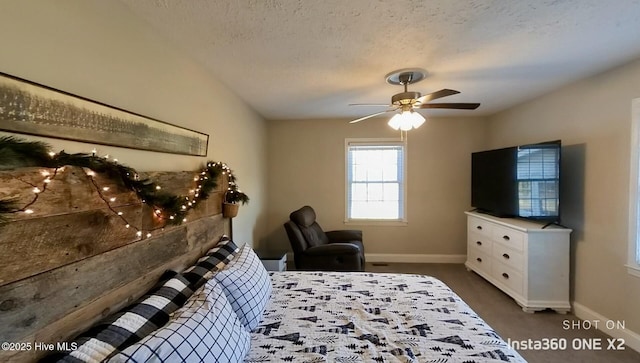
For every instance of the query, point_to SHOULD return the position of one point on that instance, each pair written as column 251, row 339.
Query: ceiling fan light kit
column 406, row 121
column 406, row 102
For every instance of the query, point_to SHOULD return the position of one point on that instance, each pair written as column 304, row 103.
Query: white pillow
column 247, row 286
column 205, row 329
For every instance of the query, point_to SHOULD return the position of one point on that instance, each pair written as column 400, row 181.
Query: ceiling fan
column 406, row 102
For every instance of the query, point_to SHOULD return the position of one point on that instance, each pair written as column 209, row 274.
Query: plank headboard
column 73, row 260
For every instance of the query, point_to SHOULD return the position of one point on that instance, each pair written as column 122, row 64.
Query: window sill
column 633, row 270
column 375, row 222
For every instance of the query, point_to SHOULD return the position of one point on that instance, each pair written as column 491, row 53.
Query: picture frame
column 30, row 108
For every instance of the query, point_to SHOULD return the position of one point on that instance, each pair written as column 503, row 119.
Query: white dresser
column 529, row 263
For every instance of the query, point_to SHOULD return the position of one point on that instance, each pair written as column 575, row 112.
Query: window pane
column 359, row 192
column 390, row 172
column 391, row 192
column 359, row 173
column 375, row 172
column 374, row 192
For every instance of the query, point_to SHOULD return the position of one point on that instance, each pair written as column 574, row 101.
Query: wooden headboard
column 73, row 261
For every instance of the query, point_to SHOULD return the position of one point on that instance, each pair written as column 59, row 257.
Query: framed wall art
column 30, row 108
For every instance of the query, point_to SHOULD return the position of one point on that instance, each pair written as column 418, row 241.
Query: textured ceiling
column 300, row 59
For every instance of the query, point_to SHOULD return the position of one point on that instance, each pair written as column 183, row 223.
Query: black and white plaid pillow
column 247, row 286
column 204, row 330
column 214, row 260
column 131, row 325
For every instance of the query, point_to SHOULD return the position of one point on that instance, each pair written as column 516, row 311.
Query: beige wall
column 99, row 50
column 593, row 119
column 307, row 167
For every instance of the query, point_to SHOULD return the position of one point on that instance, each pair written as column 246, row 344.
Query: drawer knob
column 479, row 243
column 505, row 255
column 505, row 275
column 479, row 228
column 479, row 259
column 506, row 238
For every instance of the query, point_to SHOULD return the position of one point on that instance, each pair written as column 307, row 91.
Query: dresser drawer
column 509, row 256
column 479, row 260
column 507, row 276
column 480, row 242
column 479, row 226
column 510, row 237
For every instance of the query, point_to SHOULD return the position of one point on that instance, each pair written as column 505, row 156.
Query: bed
column 228, row 308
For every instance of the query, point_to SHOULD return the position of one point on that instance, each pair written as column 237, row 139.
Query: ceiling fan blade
column 437, row 94
column 369, row 116
column 370, row 104
column 454, row 106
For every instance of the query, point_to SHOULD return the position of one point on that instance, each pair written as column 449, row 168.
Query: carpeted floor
column 508, row 319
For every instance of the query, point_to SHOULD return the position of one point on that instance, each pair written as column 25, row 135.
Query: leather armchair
column 317, row 250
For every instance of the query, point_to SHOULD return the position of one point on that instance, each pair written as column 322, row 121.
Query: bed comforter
column 371, row 317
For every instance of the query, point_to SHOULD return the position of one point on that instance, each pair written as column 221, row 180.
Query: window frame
column 376, row 142
column 633, row 259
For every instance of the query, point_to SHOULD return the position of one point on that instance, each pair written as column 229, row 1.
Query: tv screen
column 520, row 181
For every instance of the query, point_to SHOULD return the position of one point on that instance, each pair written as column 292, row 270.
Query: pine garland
column 171, row 208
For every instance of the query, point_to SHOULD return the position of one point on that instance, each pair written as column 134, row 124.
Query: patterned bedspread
column 371, row 317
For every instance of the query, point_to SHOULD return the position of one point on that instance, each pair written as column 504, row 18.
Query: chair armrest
column 333, row 249
column 345, row 235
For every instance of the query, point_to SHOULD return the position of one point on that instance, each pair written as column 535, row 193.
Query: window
column 634, row 192
column 375, row 180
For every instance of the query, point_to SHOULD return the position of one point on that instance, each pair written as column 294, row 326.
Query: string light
column 201, row 179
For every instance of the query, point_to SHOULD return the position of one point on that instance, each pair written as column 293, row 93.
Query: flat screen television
column 519, row 181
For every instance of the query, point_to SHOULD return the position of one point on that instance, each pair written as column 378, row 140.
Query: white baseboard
column 414, row 258
column 631, row 338
column 406, row 258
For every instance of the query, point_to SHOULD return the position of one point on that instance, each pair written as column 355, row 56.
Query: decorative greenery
column 171, row 208
column 15, row 152
column 233, row 194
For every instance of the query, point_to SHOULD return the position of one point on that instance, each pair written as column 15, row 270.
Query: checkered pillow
column 247, row 286
column 205, row 330
column 131, row 325
column 214, row 260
